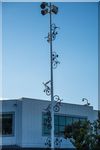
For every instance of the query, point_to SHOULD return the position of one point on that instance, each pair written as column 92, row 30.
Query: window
column 45, row 124
column 7, row 124
column 75, row 119
column 56, row 122
column 82, row 119
column 60, row 121
column 69, row 120
column 0, row 125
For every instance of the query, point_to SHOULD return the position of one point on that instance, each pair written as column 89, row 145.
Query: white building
column 23, row 122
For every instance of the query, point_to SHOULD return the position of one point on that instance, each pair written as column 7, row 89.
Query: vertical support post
column 51, row 74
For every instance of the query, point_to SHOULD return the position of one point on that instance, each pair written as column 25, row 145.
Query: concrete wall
column 19, row 123
column 32, row 123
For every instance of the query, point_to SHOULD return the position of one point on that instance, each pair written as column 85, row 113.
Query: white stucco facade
column 27, row 124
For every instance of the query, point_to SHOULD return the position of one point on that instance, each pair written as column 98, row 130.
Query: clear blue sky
column 26, row 52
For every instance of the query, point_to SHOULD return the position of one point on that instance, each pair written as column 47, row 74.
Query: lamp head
column 44, row 12
column 43, row 5
column 55, row 9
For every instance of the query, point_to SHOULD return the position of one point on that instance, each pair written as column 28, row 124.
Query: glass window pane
column 56, row 130
column 45, row 124
column 7, row 124
column 82, row 119
column 75, row 120
column 46, row 131
column 7, row 116
column 56, row 119
column 0, row 125
column 62, row 120
column 45, row 119
column 68, row 120
column 60, row 123
column 61, row 130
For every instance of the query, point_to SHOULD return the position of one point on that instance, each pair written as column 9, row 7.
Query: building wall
column 32, row 124
column 79, row 110
column 28, row 120
column 19, row 123
column 13, row 106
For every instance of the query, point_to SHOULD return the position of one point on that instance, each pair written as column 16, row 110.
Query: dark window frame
column 13, row 123
column 58, row 125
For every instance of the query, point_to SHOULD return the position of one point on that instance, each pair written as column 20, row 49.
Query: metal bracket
column 47, row 89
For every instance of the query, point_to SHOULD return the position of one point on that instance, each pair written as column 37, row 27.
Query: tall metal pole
column 51, row 73
column 55, row 100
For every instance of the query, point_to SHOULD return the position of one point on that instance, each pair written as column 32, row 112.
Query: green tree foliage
column 84, row 135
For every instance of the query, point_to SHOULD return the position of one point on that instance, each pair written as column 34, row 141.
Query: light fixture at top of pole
column 44, row 6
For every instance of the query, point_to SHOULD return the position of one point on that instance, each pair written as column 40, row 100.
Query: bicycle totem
column 55, row 104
